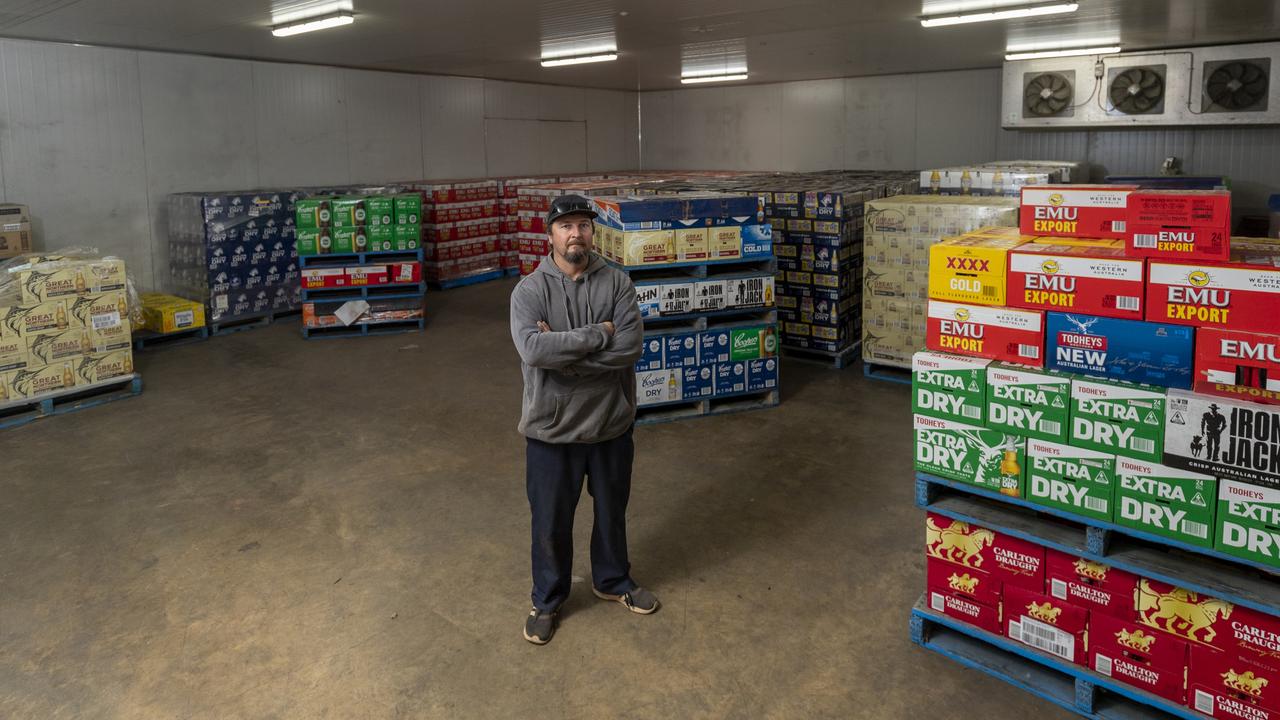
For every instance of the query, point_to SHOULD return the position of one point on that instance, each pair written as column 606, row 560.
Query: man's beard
column 575, row 255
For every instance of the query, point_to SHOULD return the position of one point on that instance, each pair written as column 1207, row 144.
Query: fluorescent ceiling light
column 1066, row 52
column 1002, row 14
column 323, row 22
column 712, row 78
column 579, row 59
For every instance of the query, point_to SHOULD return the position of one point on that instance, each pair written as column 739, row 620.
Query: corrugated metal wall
column 93, row 139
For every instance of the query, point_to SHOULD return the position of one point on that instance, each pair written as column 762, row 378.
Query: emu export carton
column 1225, row 438
column 1238, row 296
column 1117, row 418
column 1028, row 403
column 1084, row 211
column 1165, row 501
column 1093, row 281
column 1249, row 523
column 997, row 333
column 989, row 459
column 1071, row 479
column 1235, row 364
column 952, row 387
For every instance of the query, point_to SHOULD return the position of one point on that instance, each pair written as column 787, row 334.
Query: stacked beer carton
column 1115, row 359
column 64, row 324
column 533, row 202
column 15, row 230
column 997, row 178
column 461, row 229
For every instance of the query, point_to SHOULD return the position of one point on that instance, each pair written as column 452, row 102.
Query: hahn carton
column 1233, row 439
column 1229, row 685
column 676, row 298
column 1179, row 224
column 989, row 459
column 1005, row 334
column 959, row 607
column 651, row 355
column 1200, row 619
column 731, row 378
column 1046, row 624
column 1249, row 525
column 1082, row 211
column 1071, row 479
column 1092, row 281
column 680, row 350
column 658, row 386
column 649, row 298
column 1234, row 296
column 972, row 268
column 1118, row 418
column 1006, row 559
column 1028, row 403
column 762, row 374
column 1235, row 364
column 1147, row 659
column 1123, row 350
column 1092, row 585
column 713, row 346
column 1166, row 501
column 698, row 382
column 951, row 387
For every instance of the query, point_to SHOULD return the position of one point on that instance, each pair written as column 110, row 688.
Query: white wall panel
column 699, row 124
column 453, row 127
column 302, row 125
column 562, row 147
column 957, row 116
column 880, row 122
column 657, row 134
column 755, row 127
column 384, row 126
column 511, row 100
column 813, row 125
column 511, row 147
column 612, row 126
column 561, row 103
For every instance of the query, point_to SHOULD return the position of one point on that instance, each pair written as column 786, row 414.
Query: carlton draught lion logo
column 1136, row 640
column 1181, row 612
column 963, row 583
column 958, row 543
column 1245, row 682
column 1044, row 611
column 1092, row 570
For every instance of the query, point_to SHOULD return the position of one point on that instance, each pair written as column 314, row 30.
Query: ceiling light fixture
column 579, row 59
column 712, row 78
column 1065, row 52
column 322, row 22
column 1021, row 11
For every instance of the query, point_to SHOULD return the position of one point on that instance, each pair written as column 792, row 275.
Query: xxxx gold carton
column 1249, row 524
column 1201, row 619
column 58, row 346
column 169, row 314
column 41, row 380
column 647, row 247
column 101, row 367
column 1099, row 588
column 951, row 387
column 27, row 319
column 1071, row 479
column 1139, row 656
column 1046, row 624
column 1229, row 685
column 973, row 268
column 1165, row 501
column 93, row 276
column 989, row 459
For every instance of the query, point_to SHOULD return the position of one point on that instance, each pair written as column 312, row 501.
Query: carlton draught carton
column 1096, row 587
column 1124, row 350
column 977, row 585
column 1118, row 418
column 1071, row 479
column 1082, row 211
column 1006, row 334
column 989, row 459
column 1225, row 438
column 951, row 387
column 1147, row 659
column 1240, row 295
column 1046, row 624
column 1179, row 224
column 1235, row 364
column 1093, row 281
column 1028, row 403
column 959, row 607
column 1249, row 523
column 1232, row 686
column 658, row 386
column 1006, row 559
column 1199, row 618
column 973, row 268
column 1165, row 501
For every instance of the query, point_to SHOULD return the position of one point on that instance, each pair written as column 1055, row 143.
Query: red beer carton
column 1081, row 211
column 1008, row 334
column 1139, row 656
column 980, row 615
column 1201, row 619
column 1179, row 224
column 1046, row 624
column 367, row 275
column 1005, row 558
column 1091, row 585
column 313, row 278
column 1088, row 280
column 404, row 272
column 1256, row 636
column 955, row 579
column 1235, row 364
column 1239, row 295
column 1228, row 685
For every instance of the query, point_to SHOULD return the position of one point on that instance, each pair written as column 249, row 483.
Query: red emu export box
column 1233, row 686
column 1179, row 224
column 1243, row 294
column 1235, row 364
column 1080, row 211
column 1009, row 334
column 1136, row 655
column 1090, row 280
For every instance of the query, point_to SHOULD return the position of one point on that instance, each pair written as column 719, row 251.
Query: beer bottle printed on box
column 989, row 459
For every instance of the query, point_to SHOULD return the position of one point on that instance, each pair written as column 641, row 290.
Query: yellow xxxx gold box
column 169, row 313
column 973, row 268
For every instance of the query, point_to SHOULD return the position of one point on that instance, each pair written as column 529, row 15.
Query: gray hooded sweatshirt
column 579, row 383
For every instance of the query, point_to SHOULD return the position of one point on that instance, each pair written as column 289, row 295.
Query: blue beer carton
column 713, row 346
column 651, row 357
column 649, row 297
column 762, row 374
column 731, row 378
column 699, row 382
column 680, row 350
column 757, row 240
column 1115, row 349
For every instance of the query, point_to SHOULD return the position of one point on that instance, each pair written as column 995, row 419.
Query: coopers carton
column 1139, row 656
column 1071, row 479
column 1006, row 559
column 1201, row 619
column 1118, row 418
column 1082, row 211
column 1028, row 403
column 658, row 386
column 1249, row 525
column 989, row 459
column 1240, row 295
column 1179, row 224
column 698, row 382
column 1006, row 334
column 1235, row 364
column 1099, row 588
column 1228, row 685
column 1225, row 438
column 1046, row 624
column 952, row 387
column 1166, row 501
column 1092, row 281
column 1124, row 350
column 973, row 268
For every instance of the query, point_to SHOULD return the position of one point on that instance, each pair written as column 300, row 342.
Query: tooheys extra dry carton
column 1071, row 479
column 1240, row 295
column 952, row 387
column 1098, row 588
column 1029, row 403
column 1089, row 280
column 1165, row 501
column 1118, row 418
column 1082, row 211
column 972, row 268
column 1046, row 624
column 996, row 333
column 1249, row 523
column 1231, row 686
column 1125, row 350
column 1225, row 438
column 1235, row 364
column 989, row 459
column 1139, row 656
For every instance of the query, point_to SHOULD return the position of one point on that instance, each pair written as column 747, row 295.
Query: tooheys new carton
column 1235, row 364
column 1165, row 501
column 1124, row 350
column 989, row 459
column 1071, row 479
column 1179, row 224
column 1089, row 280
column 1240, row 295
column 1118, row 418
column 952, row 387
column 1249, row 523
column 1148, row 659
column 1046, row 624
column 1091, row 585
column 1028, row 403
column 1201, row 619
column 1082, row 211
column 1225, row 438
column 1007, row 334
column 1003, row 558
column 1229, row 685
column 972, row 268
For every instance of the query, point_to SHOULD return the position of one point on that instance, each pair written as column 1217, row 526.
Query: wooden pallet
column 250, row 322
column 704, row 407
column 464, row 281
column 151, row 340
column 21, row 412
column 393, row 291
column 887, row 373
column 838, row 360
column 391, row 327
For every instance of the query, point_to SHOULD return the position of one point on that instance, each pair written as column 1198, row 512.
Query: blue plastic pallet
column 764, row 315
column 364, row 258
column 249, row 322
column 150, row 340
column 463, row 282
column 22, row 412
column 512, row 272
column 887, row 373
column 751, row 260
column 391, row 291
column 364, row 330
column 838, row 360
column 704, row 407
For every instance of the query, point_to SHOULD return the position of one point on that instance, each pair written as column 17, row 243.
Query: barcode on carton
column 1094, row 504
column 1117, row 226
column 1144, row 240
column 1102, row 665
column 1128, row 302
column 1143, row 445
column 971, row 412
column 184, row 318
column 1195, row 529
column 988, row 291
column 937, row 602
column 1044, row 637
column 1204, row 702
column 1029, row 351
column 1058, row 589
column 1051, row 427
column 106, row 320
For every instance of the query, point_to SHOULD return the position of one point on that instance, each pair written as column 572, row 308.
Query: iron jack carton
column 1099, row 588
column 1126, row 420
column 1006, row 559
column 676, row 298
column 1235, row 364
column 1005, row 334
column 711, row 295
column 1082, row 211
column 1165, row 501
column 1071, row 479
column 1249, row 526
column 1139, row 656
column 972, row 268
column 1093, row 281
column 1028, row 403
column 952, row 387
column 1046, row 624
column 1232, row 439
column 989, row 459
column 1237, row 296
column 1229, row 685
column 1179, row 224
column 1124, row 350
column 1201, row 619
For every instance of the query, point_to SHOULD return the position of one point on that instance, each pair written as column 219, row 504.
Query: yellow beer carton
column 647, row 247
column 106, row 337
column 693, row 244
column 13, row 353
column 40, row 380
column 168, row 313
column 71, row 278
column 58, row 346
column 101, row 367
column 27, row 319
column 98, row 310
column 725, row 243
column 973, row 268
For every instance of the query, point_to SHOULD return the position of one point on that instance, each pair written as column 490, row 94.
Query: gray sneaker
column 637, row 600
column 539, row 627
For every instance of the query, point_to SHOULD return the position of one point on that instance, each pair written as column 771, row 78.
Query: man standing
column 576, row 325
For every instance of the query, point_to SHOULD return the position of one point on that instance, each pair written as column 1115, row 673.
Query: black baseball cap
column 569, row 205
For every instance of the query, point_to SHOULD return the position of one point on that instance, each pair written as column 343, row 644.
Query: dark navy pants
column 553, row 477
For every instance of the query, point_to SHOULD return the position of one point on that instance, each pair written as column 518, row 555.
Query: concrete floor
column 338, row 529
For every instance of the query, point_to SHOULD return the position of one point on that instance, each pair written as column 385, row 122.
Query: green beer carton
column 1031, row 403
column 952, row 387
column 408, row 208
column 989, row 459
column 1071, row 479
column 1249, row 522
column 379, row 210
column 315, row 241
column 349, row 211
column 753, row 343
column 382, row 238
column 313, row 213
column 1165, row 501
column 350, row 240
column 1118, row 418
column 408, row 237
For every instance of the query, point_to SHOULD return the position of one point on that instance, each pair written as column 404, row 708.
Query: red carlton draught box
column 1009, row 334
column 974, row 584
column 1137, row 655
column 1089, row 280
column 1091, row 585
column 1079, row 211
column 1229, row 685
column 968, row 611
column 1179, row 224
column 1046, row 623
column 1008, row 560
column 1235, row 364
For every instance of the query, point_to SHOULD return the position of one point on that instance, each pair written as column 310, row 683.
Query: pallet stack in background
column 1114, row 363
column 15, row 230
column 998, row 179
column 460, row 231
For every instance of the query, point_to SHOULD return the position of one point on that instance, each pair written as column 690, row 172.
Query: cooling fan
column 1240, row 85
column 1137, row 90
column 1047, row 95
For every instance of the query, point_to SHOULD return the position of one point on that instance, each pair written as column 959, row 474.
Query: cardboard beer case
column 1082, row 211
column 1248, row 525
column 1119, row 418
column 1147, row 659
column 1007, row 560
column 1228, row 685
column 959, row 607
column 1030, row 403
column 1099, row 281
column 1233, row 439
column 1166, row 501
column 1238, row 295
column 1005, row 334
column 952, row 387
column 1200, row 619
column 1046, row 624
column 990, row 459
column 1125, row 350
column 1094, row 586
column 1237, row 364
column 1179, row 224
column 1071, row 479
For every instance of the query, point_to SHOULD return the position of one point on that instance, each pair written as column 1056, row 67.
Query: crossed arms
column 588, row 350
